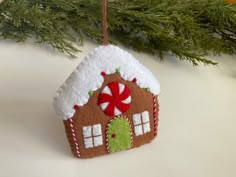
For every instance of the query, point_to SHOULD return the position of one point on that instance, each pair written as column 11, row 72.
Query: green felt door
column 119, row 137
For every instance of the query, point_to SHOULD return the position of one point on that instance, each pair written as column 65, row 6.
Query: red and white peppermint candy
column 114, row 99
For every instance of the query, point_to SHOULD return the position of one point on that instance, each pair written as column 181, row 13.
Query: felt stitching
column 87, row 77
column 155, row 114
column 123, row 144
column 107, row 131
column 71, row 123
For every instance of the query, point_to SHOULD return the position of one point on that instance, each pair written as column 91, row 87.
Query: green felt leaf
column 118, row 70
column 90, row 93
column 119, row 137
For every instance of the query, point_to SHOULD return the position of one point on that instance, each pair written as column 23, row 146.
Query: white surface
column 197, row 130
column 87, row 77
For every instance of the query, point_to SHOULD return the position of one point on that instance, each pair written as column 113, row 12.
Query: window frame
column 138, row 121
column 92, row 136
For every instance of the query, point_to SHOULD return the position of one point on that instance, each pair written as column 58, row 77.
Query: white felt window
column 92, row 136
column 141, row 123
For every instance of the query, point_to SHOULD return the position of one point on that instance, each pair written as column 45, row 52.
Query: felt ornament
column 109, row 103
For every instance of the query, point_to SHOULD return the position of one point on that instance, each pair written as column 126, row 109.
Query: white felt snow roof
column 87, row 77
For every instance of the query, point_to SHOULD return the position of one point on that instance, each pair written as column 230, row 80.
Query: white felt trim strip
column 87, row 77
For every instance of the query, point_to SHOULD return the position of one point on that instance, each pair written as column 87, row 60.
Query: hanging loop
column 104, row 14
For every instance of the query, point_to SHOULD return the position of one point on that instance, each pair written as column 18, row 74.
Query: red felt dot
column 103, row 73
column 76, row 107
column 134, row 80
column 113, row 135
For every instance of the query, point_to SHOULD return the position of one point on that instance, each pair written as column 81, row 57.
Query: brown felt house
column 109, row 103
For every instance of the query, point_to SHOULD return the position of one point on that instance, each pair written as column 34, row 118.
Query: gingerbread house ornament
column 108, row 104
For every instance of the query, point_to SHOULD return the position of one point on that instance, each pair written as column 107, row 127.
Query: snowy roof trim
column 87, row 77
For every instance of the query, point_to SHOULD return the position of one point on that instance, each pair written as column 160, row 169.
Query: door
column 119, row 135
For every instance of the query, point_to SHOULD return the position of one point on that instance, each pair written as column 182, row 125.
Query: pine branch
column 189, row 29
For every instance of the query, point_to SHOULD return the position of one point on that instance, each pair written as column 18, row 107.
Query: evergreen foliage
column 189, row 29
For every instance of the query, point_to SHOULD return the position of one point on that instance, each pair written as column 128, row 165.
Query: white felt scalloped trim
column 87, row 77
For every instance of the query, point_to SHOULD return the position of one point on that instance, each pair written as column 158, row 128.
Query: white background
column 197, row 128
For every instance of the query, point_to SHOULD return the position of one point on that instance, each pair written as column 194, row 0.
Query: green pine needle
column 189, row 29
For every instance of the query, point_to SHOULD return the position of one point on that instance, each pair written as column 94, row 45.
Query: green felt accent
column 148, row 89
column 118, row 70
column 122, row 141
column 90, row 93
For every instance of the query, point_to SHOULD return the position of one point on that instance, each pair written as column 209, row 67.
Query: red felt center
column 115, row 99
column 113, row 135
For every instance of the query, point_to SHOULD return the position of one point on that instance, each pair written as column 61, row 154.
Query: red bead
column 76, row 107
column 113, row 135
column 134, row 80
column 103, row 73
